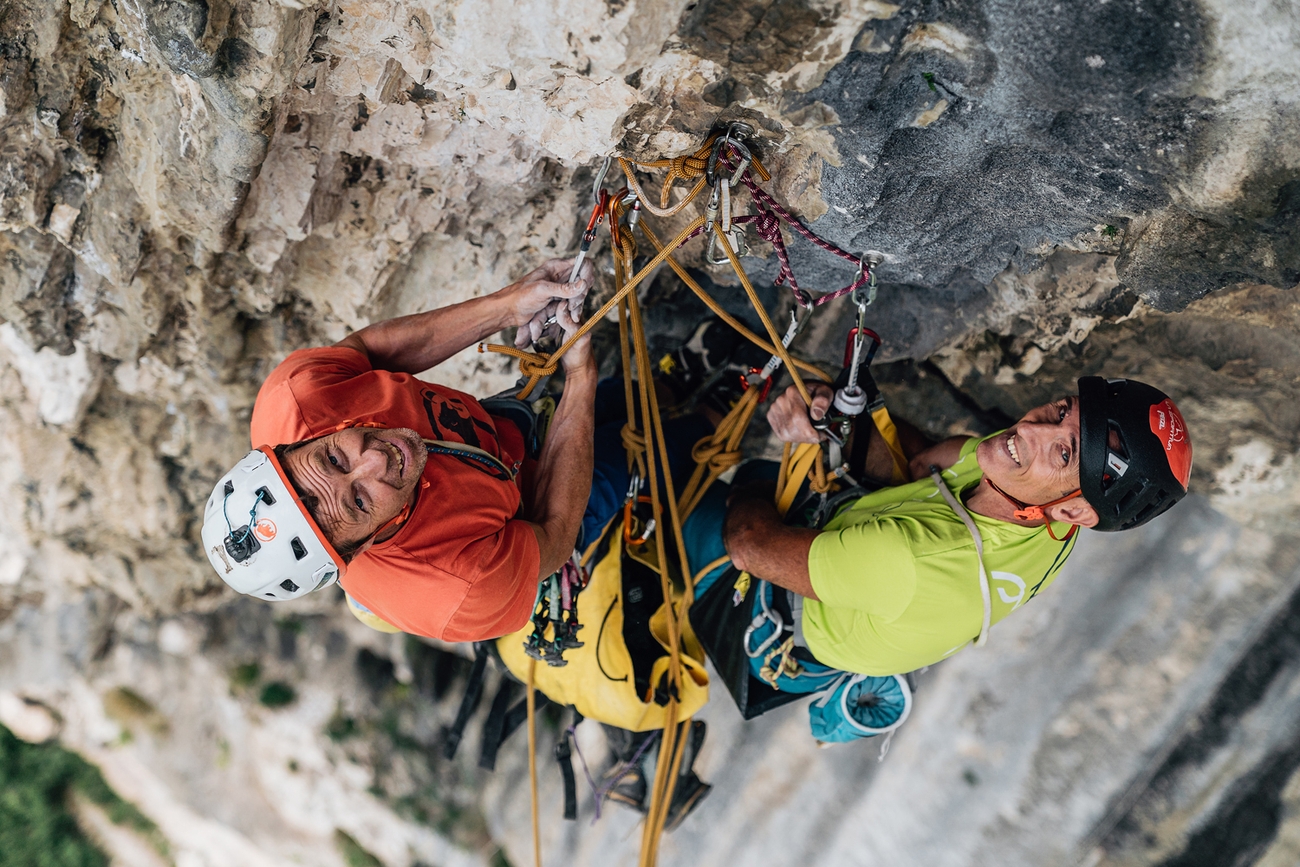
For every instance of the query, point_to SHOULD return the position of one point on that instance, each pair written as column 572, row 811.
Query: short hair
column 345, row 550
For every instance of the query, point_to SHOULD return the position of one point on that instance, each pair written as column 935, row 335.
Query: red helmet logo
column 1168, row 425
column 264, row 529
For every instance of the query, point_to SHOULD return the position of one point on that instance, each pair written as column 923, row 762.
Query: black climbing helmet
column 1148, row 471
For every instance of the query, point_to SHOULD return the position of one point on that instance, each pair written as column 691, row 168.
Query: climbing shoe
column 690, row 789
column 628, row 786
column 688, row 794
column 698, row 361
column 625, row 780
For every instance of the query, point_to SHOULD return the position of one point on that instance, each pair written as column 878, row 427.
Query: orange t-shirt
column 464, row 565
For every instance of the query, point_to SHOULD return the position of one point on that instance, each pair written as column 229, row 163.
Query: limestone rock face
column 191, row 189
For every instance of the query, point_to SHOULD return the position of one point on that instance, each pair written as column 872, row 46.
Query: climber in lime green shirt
column 894, row 580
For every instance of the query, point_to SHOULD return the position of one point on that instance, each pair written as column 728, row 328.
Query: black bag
column 720, row 626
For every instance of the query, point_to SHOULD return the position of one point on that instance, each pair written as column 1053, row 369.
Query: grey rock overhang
column 979, row 136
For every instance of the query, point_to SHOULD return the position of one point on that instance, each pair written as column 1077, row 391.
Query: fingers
column 557, row 273
column 821, row 401
column 568, row 319
column 789, row 416
column 563, row 316
column 555, row 270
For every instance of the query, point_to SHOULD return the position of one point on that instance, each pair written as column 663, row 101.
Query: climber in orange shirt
column 433, row 512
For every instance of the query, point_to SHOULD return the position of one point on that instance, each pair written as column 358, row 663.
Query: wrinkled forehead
column 294, row 455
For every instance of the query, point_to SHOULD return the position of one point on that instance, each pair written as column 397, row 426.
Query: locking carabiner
column 734, row 135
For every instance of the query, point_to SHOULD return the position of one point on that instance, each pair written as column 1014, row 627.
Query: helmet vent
column 229, row 488
column 288, row 586
column 265, row 495
column 298, row 550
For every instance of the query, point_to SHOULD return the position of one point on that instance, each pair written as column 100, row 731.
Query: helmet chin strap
column 401, row 516
column 1028, row 512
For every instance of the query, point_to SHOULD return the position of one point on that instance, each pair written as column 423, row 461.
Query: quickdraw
column 555, row 613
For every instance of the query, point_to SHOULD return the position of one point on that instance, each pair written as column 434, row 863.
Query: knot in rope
column 633, row 439
column 767, row 225
column 818, row 481
column 686, row 168
column 715, row 456
column 535, row 366
column 627, row 247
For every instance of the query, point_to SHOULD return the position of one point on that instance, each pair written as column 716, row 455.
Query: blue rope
column 252, row 518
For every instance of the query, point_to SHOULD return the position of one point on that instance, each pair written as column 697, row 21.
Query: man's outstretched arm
column 411, row 344
column 761, row 544
column 563, row 480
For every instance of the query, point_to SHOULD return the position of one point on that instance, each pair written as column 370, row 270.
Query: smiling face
column 360, row 479
column 1036, row 460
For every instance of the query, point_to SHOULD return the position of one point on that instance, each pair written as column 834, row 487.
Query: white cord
column 979, row 551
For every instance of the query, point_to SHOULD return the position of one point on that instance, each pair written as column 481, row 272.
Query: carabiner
column 745, row 159
column 600, row 177
column 754, row 377
column 735, row 239
column 864, row 295
column 733, row 135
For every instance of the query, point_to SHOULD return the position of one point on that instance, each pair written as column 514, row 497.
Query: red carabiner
column 745, row 384
column 866, row 356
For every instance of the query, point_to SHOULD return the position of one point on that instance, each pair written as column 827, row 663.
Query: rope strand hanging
column 646, row 446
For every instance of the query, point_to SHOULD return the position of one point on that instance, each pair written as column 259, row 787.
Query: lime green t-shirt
column 898, row 577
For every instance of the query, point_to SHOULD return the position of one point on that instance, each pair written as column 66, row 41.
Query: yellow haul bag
column 599, row 678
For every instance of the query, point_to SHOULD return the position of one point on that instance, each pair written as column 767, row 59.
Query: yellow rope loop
column 634, row 443
column 785, row 663
column 534, row 365
column 715, row 456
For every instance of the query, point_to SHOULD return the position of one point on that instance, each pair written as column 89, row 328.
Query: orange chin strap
column 1028, row 512
column 401, row 516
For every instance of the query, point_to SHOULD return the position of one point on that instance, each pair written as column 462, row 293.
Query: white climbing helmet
column 259, row 537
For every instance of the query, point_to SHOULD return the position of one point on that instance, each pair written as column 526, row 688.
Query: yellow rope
column 718, row 309
column 781, row 351
column 648, row 451
column 721, row 561
column 537, row 365
column 664, row 781
column 531, row 704
column 719, row 452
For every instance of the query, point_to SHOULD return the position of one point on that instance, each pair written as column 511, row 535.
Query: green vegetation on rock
column 278, row 694
column 352, row 851
column 246, row 675
column 37, row 826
